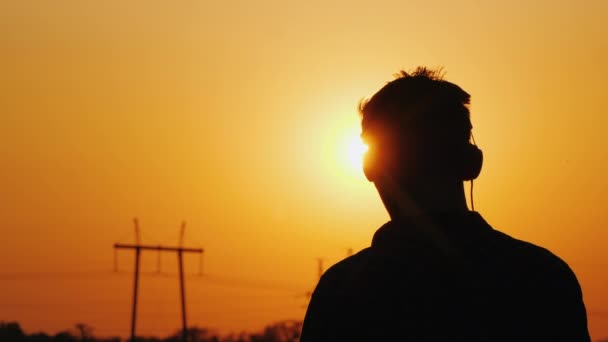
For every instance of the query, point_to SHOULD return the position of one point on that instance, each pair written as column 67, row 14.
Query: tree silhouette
column 11, row 332
column 84, row 331
column 285, row 331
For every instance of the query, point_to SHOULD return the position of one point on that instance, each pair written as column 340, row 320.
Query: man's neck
column 423, row 199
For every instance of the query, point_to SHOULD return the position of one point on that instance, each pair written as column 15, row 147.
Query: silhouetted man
column 437, row 271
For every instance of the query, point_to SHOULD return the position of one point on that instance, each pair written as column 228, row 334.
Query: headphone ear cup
column 472, row 160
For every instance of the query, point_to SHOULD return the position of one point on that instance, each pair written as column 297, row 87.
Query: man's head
column 418, row 129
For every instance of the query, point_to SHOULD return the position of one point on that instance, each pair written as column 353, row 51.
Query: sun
column 355, row 150
column 343, row 151
column 348, row 152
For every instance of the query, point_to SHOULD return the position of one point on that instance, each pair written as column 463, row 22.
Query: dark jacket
column 448, row 278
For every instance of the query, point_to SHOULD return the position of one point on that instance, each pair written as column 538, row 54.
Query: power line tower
column 320, row 269
column 180, row 250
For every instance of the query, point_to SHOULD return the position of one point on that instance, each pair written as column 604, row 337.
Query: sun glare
column 355, row 151
column 349, row 151
column 344, row 150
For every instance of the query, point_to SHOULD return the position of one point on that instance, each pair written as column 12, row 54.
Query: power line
column 60, row 274
column 195, row 277
column 221, row 280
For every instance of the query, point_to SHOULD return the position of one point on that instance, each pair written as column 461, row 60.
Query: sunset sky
column 237, row 116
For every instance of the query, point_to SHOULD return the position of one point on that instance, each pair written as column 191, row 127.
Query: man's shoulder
column 537, row 258
column 498, row 249
column 553, row 293
column 344, row 269
column 354, row 261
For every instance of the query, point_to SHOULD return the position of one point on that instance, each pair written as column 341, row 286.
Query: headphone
column 468, row 162
column 471, row 160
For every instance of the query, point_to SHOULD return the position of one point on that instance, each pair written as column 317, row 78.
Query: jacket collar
column 468, row 226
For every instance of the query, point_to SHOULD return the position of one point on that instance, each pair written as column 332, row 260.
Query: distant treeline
column 285, row 331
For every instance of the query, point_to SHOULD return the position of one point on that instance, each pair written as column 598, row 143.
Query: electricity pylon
column 138, row 247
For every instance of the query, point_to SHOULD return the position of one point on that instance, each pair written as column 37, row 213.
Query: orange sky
column 233, row 116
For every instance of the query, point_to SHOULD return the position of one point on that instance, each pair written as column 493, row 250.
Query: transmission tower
column 180, row 250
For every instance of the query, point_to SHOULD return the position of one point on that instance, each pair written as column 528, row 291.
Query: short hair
column 419, row 101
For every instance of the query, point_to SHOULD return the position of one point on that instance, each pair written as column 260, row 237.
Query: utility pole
column 320, row 269
column 181, row 281
column 180, row 250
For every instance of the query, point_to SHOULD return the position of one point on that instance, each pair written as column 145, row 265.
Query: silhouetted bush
column 11, row 331
column 285, row 331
